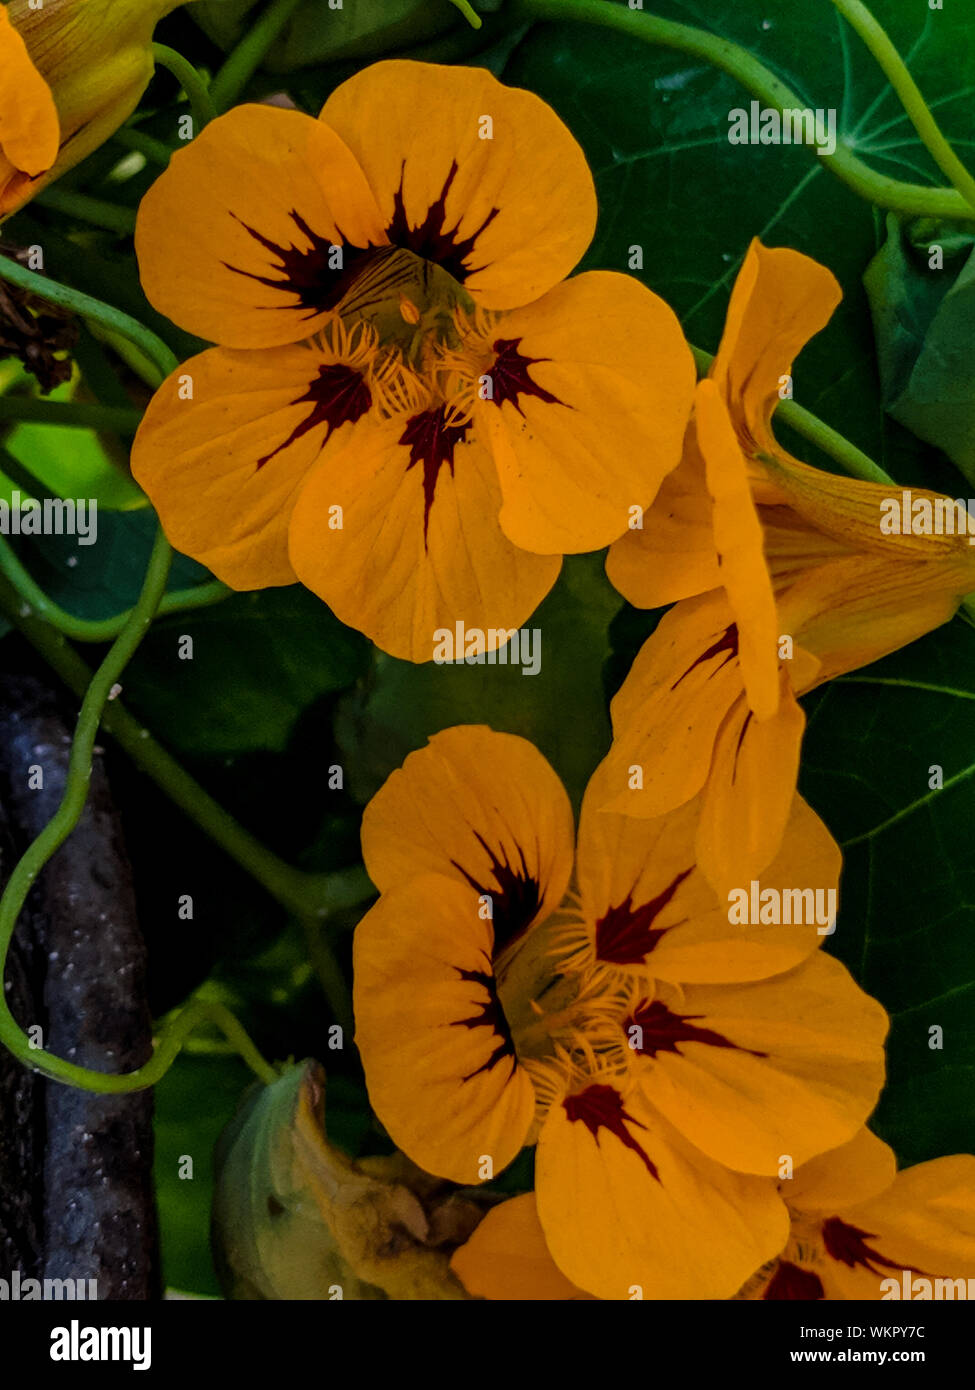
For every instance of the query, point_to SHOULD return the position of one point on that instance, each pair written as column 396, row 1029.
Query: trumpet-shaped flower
column 662, row 1059
column 411, row 410
column 793, row 582
column 71, row 71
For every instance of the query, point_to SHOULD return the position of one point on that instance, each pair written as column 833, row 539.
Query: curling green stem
column 93, row 310
column 895, row 70
column 913, row 199
column 76, row 414
column 72, row 805
column 96, row 629
column 198, row 95
column 310, row 897
column 247, row 57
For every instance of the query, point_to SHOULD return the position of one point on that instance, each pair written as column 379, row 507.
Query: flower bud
column 71, row 71
column 294, row 1218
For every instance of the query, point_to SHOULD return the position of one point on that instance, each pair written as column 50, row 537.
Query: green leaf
column 654, row 126
column 924, row 319
column 906, row 927
column 561, row 709
column 97, row 581
column 194, row 1101
column 258, row 661
column 320, row 31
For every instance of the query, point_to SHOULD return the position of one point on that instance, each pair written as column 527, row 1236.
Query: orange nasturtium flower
column 71, row 71
column 663, row 1058
column 860, row 1231
column 788, row 580
column 411, row 411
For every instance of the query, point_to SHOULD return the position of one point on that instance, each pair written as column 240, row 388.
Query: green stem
column 913, row 199
column 200, row 99
column 310, row 897
column 851, row 459
column 97, row 211
column 72, row 804
column 247, row 57
column 96, row 629
column 76, row 414
column 104, row 315
column 895, row 70
column 155, row 151
column 471, row 15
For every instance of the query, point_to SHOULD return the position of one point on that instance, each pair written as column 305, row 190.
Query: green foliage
column 924, row 317
column 561, row 709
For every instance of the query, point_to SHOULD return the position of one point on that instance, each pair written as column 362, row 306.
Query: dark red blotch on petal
column 431, row 441
column 601, row 1107
column 625, row 935
column 429, row 237
column 515, row 900
column 848, row 1244
column 664, row 1031
column 727, row 643
column 789, row 1281
column 510, row 378
column 305, row 271
column 491, row 1015
column 338, row 396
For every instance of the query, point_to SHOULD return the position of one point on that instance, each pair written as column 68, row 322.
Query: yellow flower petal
column 666, row 715
column 29, row 129
column 481, row 807
column 419, row 548
column 254, row 232
column 671, row 555
column 227, row 444
column 507, row 1258
column 749, row 792
column 856, row 1171
column 750, row 1073
column 738, row 539
column 646, row 902
column 437, row 1053
column 592, row 389
column 481, row 178
column 781, row 299
column 630, row 1209
column 924, row 1223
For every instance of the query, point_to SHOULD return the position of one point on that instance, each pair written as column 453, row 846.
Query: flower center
column 410, row 302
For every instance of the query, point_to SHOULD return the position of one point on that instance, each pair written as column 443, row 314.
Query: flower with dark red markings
column 411, row 409
column 514, row 988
